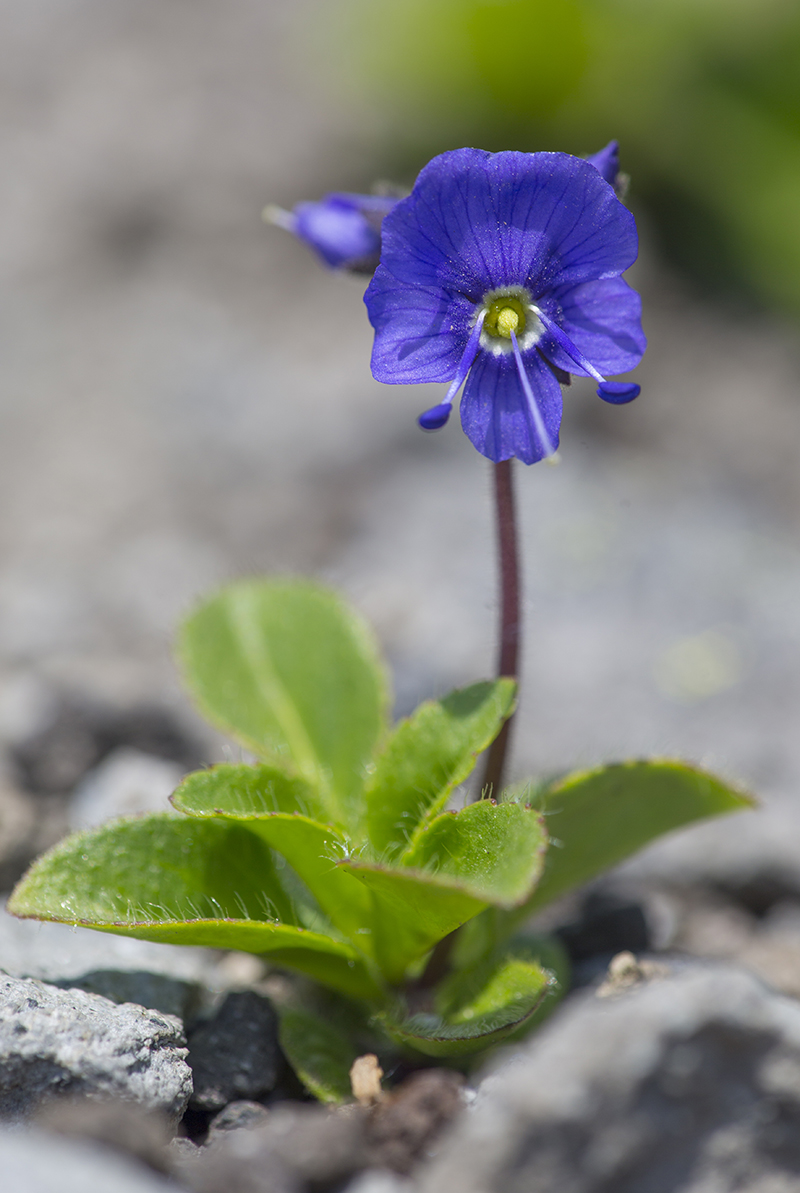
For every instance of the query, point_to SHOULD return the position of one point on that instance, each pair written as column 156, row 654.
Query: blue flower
column 502, row 271
column 344, row 229
column 607, row 162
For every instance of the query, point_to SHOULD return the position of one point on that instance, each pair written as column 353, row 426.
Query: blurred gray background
column 186, row 397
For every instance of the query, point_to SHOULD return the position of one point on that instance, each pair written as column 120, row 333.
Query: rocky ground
column 185, row 396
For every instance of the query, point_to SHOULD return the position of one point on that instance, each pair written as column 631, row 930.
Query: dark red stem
column 507, row 664
column 508, row 661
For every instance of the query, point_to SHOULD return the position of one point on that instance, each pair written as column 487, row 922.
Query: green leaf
column 596, row 818
column 483, row 938
column 198, row 882
column 428, row 755
column 275, row 807
column 495, row 851
column 476, row 1010
column 410, row 914
column 462, row 986
column 486, row 853
column 291, row 672
column 245, row 792
column 320, row 1055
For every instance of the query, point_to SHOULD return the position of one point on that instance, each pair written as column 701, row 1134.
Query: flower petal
column 336, row 229
column 477, row 221
column 495, row 413
column 420, row 333
column 606, row 161
column 604, row 321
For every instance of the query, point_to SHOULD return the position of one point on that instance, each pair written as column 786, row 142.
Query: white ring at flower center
column 534, row 328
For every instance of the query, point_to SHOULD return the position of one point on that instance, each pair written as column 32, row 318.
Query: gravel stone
column 80, row 734
column 299, row 1145
column 690, row 1083
column 405, row 1124
column 17, row 825
column 142, row 1134
column 235, row 1055
column 377, row 1181
column 55, row 1042
column 127, row 782
column 166, row 978
column 236, row 1115
column 35, row 1162
column 155, row 991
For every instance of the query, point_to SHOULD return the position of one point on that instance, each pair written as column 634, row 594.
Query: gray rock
column 181, row 1149
column 404, row 1125
column 34, row 1162
column 236, row 1054
column 56, row 1042
column 77, row 732
column 155, row 991
column 125, row 1127
column 125, row 783
column 236, row 1115
column 164, row 977
column 299, row 1146
column 690, row 1083
column 53, row 952
column 378, row 1181
column 17, row 820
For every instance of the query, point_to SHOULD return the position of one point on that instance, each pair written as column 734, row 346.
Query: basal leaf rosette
column 346, row 850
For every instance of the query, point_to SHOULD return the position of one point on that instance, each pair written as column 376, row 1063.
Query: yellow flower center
column 504, row 315
column 507, row 321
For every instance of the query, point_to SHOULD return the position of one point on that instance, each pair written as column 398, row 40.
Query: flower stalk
column 510, row 614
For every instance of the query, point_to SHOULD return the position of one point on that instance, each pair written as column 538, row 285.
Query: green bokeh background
column 704, row 96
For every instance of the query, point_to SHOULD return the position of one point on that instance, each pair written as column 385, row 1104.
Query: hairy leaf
column 462, row 986
column 495, row 851
column 198, row 882
column 244, row 792
column 411, row 912
column 596, row 818
column 428, row 755
column 486, row 853
column 274, row 807
column 289, row 670
column 481, row 1009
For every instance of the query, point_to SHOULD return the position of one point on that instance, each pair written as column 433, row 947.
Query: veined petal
column 606, row 161
column 420, row 333
column 436, row 235
column 477, row 221
column 603, row 319
column 495, row 411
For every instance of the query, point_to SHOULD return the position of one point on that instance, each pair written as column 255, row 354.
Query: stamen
column 618, row 392
column 536, row 414
column 437, row 416
column 272, row 214
column 563, row 341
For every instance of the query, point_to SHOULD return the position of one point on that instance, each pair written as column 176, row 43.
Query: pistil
column 507, row 322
